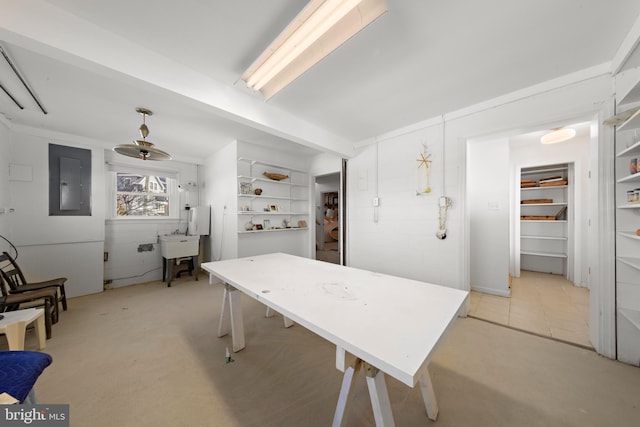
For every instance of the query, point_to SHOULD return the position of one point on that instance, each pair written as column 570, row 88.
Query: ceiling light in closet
column 558, row 135
column 320, row 28
column 141, row 148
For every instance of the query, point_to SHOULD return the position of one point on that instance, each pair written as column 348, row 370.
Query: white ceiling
column 92, row 62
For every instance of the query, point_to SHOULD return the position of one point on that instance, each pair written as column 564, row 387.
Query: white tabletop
column 24, row 315
column 390, row 322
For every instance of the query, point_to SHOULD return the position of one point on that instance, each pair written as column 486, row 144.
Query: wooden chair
column 12, row 274
column 45, row 297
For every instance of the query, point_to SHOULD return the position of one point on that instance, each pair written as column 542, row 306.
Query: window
column 140, row 195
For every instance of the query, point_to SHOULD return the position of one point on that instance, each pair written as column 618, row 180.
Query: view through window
column 141, row 195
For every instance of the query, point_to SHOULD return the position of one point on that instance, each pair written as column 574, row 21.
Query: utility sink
column 179, row 246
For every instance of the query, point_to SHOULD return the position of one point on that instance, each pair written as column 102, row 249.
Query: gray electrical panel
column 69, row 181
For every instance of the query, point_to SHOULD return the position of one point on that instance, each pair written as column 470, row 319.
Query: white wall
column 400, row 238
column 73, row 246
column 127, row 266
column 54, row 246
column 219, row 189
column 324, row 164
column 488, row 209
column 403, row 240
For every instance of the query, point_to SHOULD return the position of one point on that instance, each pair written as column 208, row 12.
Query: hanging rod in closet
column 15, row 70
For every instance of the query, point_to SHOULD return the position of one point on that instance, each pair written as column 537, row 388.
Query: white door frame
column 602, row 278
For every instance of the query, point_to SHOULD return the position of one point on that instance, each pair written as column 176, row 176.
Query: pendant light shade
column 141, row 148
column 558, row 135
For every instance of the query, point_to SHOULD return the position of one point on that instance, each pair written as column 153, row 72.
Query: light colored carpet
column 148, row 355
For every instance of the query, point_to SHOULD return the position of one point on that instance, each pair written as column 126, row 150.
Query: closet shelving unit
column 627, row 194
column 543, row 219
column 282, row 205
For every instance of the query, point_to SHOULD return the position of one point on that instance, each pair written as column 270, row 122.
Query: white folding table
column 380, row 323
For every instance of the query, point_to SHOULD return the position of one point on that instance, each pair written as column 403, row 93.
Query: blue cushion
column 19, row 371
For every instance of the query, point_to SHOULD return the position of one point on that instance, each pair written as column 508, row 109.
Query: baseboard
column 500, row 293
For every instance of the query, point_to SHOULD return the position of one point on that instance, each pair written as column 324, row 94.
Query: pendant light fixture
column 141, row 148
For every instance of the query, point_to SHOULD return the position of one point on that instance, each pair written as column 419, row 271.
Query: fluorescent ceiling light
column 558, row 135
column 319, row 29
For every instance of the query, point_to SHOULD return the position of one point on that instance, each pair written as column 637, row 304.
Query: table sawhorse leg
column 231, row 317
column 287, row 322
column 346, row 393
column 428, row 395
column 379, row 396
column 377, row 393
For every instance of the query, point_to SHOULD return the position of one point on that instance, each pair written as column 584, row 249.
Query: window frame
column 172, row 195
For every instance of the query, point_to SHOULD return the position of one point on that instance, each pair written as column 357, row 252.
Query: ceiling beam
column 41, row 27
column 627, row 47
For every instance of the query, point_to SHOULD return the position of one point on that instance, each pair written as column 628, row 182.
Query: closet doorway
column 329, row 213
column 548, row 303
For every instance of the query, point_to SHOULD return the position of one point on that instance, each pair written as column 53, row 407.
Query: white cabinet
column 268, row 204
column 544, row 213
column 627, row 196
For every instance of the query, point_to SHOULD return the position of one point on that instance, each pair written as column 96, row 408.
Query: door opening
column 329, row 213
column 515, row 224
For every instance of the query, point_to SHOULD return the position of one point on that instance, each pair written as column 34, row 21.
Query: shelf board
column 544, row 204
column 272, row 165
column 632, row 122
column 631, row 315
column 631, row 262
column 630, row 178
column 271, row 181
column 273, row 230
column 270, row 213
column 544, row 169
column 629, row 234
column 629, row 206
column 543, row 237
column 632, row 149
column 549, row 187
column 545, row 254
column 263, row 196
column 544, row 220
